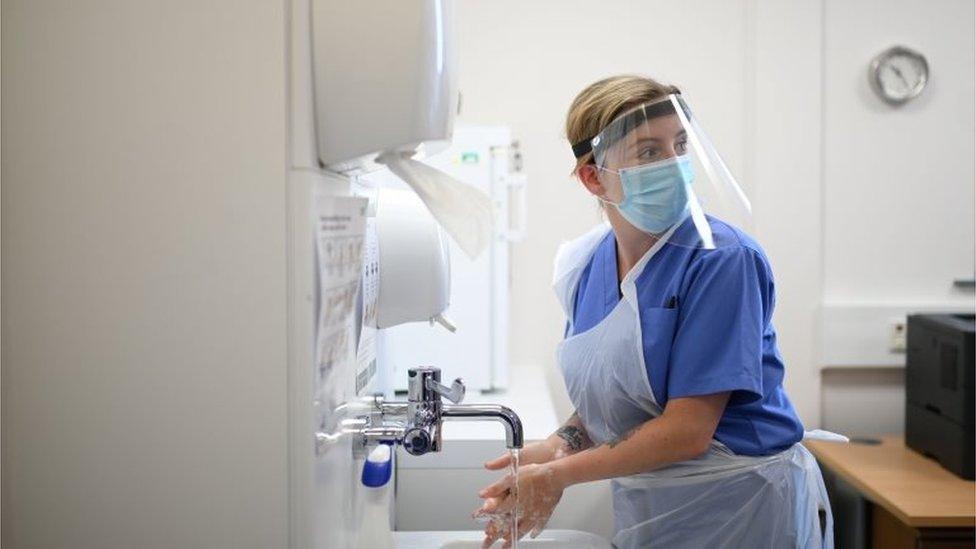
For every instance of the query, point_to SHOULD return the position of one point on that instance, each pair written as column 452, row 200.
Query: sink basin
column 471, row 539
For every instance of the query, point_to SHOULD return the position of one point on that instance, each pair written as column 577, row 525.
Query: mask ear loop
column 613, row 171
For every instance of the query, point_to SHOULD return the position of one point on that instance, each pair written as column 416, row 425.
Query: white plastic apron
column 717, row 500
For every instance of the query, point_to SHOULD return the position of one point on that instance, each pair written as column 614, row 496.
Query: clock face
column 899, row 74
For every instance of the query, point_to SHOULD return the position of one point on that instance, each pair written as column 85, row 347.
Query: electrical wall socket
column 898, row 336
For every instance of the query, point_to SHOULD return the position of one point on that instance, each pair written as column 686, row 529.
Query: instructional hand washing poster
column 366, row 353
column 339, row 231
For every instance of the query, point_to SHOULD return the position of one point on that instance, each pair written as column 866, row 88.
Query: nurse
column 669, row 355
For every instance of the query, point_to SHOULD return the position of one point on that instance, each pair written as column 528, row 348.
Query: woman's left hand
column 538, row 493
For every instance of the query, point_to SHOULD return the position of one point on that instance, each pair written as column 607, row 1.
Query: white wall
column 144, row 274
column 864, row 402
column 898, row 182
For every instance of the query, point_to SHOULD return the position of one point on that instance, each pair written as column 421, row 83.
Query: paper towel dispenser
column 414, row 261
column 384, row 78
column 384, row 86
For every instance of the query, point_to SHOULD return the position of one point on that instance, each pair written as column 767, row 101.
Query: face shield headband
column 631, row 119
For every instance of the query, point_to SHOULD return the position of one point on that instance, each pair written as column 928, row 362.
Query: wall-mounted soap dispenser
column 376, row 490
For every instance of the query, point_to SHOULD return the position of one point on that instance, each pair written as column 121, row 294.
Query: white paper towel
column 466, row 213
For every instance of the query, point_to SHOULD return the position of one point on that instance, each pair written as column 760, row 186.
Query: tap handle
column 454, row 393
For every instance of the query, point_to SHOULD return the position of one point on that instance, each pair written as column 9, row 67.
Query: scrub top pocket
column 658, row 325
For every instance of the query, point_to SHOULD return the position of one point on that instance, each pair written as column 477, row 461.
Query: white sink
column 471, row 539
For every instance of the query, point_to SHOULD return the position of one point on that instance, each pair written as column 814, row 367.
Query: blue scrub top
column 706, row 325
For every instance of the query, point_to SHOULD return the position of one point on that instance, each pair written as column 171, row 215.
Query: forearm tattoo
column 574, row 434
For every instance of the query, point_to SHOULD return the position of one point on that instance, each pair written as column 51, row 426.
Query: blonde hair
column 602, row 101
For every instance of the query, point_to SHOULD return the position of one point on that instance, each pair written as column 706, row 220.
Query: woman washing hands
column 569, row 457
column 670, row 355
column 539, row 491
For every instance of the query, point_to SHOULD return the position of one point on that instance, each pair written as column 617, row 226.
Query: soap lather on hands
column 538, row 490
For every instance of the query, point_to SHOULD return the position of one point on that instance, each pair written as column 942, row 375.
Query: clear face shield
column 663, row 174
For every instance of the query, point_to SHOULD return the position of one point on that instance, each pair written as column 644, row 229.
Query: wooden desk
column 914, row 497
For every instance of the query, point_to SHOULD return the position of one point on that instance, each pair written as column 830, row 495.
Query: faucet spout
column 489, row 412
column 416, row 424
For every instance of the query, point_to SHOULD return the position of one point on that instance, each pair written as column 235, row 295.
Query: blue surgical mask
column 656, row 194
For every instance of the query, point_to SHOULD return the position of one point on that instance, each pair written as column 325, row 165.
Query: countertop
column 913, row 488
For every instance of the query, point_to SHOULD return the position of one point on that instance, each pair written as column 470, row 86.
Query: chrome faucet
column 416, row 423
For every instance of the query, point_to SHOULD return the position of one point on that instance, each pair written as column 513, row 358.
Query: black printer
column 940, row 411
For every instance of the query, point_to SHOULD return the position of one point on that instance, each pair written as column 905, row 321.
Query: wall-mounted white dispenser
column 384, row 88
column 414, row 258
column 384, row 78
